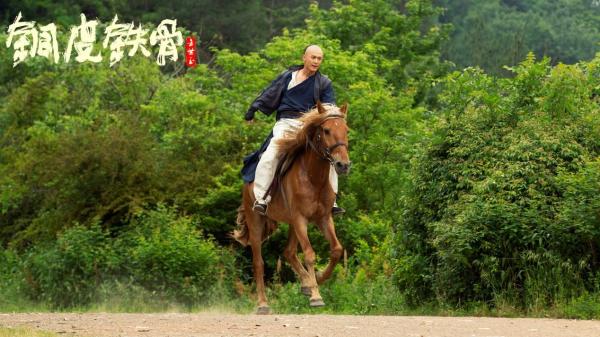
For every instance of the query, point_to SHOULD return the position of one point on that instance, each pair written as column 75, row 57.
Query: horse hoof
column 316, row 303
column 264, row 310
column 306, row 291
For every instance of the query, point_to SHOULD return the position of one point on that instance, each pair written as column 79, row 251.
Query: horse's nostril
column 341, row 167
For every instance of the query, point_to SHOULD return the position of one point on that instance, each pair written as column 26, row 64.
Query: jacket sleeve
column 269, row 98
column 327, row 94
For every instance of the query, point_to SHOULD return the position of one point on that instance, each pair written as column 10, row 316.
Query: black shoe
column 337, row 210
column 260, row 208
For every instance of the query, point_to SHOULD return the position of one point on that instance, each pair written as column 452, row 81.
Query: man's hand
column 250, row 122
column 249, row 116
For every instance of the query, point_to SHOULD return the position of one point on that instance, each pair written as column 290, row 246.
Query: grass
column 354, row 294
column 124, row 297
column 25, row 332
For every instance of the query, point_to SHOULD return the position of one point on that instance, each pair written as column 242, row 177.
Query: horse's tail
column 241, row 233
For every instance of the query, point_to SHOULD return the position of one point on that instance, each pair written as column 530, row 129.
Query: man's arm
column 327, row 94
column 269, row 98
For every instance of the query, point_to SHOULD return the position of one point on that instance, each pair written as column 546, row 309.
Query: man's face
column 312, row 58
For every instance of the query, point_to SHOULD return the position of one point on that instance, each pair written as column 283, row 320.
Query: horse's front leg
column 291, row 255
column 328, row 228
column 300, row 227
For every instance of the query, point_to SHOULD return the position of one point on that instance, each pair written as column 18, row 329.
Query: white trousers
column 265, row 170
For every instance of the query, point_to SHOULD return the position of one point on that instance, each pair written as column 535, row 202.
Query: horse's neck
column 317, row 168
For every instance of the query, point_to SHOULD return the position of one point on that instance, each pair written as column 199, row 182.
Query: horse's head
column 331, row 138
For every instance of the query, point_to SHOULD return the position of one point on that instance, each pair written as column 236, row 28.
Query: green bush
column 67, row 272
column 161, row 258
column 167, row 254
column 10, row 280
column 503, row 199
column 585, row 306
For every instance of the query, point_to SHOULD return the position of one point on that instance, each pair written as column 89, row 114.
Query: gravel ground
column 225, row 324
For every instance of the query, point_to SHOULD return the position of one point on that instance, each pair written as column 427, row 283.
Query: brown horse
column 301, row 194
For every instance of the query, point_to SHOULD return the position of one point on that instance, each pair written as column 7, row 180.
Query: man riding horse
column 291, row 94
column 301, row 195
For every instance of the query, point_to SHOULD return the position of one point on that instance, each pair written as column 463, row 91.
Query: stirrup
column 337, row 210
column 260, row 207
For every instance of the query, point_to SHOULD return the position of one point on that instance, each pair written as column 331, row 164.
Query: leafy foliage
column 167, row 254
column 465, row 188
column 161, row 252
column 67, row 272
column 491, row 34
column 487, row 213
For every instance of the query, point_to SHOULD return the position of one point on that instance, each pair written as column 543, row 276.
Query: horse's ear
column 320, row 107
column 344, row 109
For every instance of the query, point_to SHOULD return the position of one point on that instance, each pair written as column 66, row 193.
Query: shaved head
column 312, row 58
column 313, row 48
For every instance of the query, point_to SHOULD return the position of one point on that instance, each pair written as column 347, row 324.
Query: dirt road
column 214, row 324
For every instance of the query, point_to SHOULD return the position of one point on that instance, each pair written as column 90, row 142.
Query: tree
column 491, row 34
column 485, row 218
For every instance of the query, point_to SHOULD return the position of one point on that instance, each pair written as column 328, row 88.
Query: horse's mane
column 290, row 148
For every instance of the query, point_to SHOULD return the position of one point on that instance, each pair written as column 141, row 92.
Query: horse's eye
column 326, row 131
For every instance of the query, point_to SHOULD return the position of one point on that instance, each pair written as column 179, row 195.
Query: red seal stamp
column 190, row 51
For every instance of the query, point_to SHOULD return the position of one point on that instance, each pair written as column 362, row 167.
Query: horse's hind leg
column 328, row 228
column 301, row 231
column 291, row 255
column 256, row 226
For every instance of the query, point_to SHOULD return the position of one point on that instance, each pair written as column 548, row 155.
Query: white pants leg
column 265, row 170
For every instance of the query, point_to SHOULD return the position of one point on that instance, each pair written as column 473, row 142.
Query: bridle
column 325, row 152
